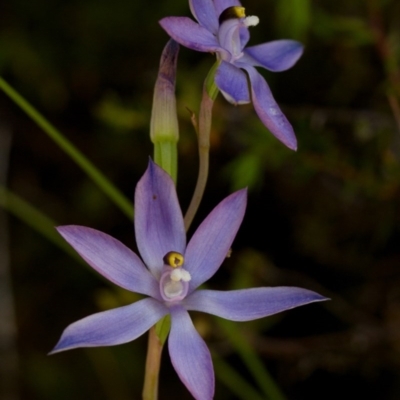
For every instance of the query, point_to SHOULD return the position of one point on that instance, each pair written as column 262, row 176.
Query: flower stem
column 165, row 155
column 97, row 177
column 205, row 116
column 153, row 361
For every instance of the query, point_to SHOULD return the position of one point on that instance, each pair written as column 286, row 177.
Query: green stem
column 166, row 156
column 205, row 118
column 153, row 362
column 102, row 182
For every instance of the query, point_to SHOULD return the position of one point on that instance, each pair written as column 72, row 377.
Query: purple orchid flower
column 222, row 28
column 169, row 276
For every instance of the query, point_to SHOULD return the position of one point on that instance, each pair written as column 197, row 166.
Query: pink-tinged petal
column 111, row 258
column 249, row 304
column 268, row 110
column 204, row 12
column 112, row 327
column 276, row 56
column 190, row 34
column 212, row 240
column 232, row 82
column 159, row 224
column 221, row 5
column 190, row 356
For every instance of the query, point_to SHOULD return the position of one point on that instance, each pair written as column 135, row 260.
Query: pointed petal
column 204, row 12
column 159, row 225
column 249, row 304
column 190, row 34
column 211, row 242
column 112, row 327
column 190, row 356
column 110, row 258
column 221, row 5
column 232, row 82
column 276, row 56
column 268, row 110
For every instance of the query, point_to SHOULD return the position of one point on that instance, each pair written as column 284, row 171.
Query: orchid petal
column 244, row 34
column 276, row 56
column 204, row 12
column 159, row 224
column 212, row 240
column 249, row 304
column 230, row 37
column 221, row 5
column 232, row 82
column 110, row 258
column 112, row 327
column 268, row 110
column 190, row 356
column 190, row 34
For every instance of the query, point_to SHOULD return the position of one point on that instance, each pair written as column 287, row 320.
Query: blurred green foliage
column 326, row 218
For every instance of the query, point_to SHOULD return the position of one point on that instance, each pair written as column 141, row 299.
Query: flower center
column 251, row 20
column 232, row 12
column 233, row 33
column 237, row 12
column 174, row 259
column 174, row 282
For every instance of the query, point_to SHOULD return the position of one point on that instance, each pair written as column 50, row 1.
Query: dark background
column 325, row 217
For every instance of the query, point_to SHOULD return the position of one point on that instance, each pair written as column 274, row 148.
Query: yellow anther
column 174, row 259
column 240, row 12
column 232, row 12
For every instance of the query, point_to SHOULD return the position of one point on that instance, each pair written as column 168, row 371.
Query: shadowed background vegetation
column 325, row 217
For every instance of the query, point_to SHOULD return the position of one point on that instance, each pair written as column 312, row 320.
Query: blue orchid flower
column 222, row 29
column 169, row 275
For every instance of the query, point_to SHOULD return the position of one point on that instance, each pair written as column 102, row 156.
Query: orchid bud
column 164, row 130
column 164, row 121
